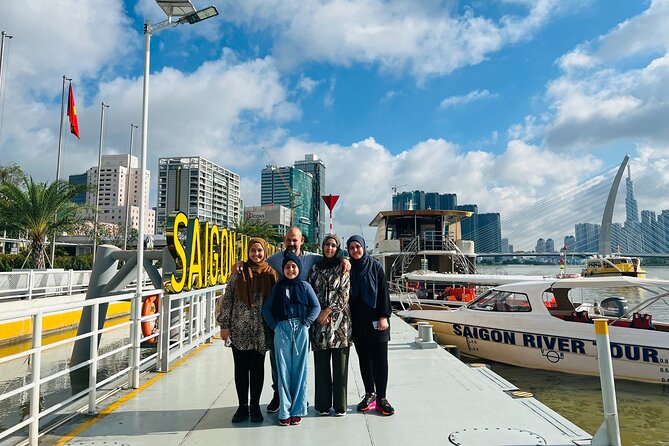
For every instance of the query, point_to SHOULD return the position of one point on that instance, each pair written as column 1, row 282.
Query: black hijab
column 289, row 292
column 363, row 275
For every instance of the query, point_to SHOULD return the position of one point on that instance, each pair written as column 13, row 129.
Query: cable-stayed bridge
column 572, row 216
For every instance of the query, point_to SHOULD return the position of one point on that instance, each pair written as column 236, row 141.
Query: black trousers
column 249, row 372
column 373, row 358
column 331, row 378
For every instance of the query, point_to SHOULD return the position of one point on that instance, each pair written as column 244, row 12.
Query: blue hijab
column 289, row 287
column 363, row 275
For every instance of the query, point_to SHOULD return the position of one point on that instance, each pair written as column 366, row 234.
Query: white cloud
column 308, row 85
column 474, row 95
column 425, row 38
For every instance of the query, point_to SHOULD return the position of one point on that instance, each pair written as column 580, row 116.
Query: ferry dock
column 438, row 400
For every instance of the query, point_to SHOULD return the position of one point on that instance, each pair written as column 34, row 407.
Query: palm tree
column 40, row 209
column 258, row 228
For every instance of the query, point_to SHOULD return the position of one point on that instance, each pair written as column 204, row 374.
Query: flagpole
column 127, row 188
column 2, row 53
column 97, row 193
column 60, row 146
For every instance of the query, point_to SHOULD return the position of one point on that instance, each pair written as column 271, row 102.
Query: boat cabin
column 422, row 239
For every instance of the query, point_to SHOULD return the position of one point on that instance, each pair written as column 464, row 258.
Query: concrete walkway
column 438, row 399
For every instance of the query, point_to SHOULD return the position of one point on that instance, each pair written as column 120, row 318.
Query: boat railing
column 402, row 262
column 403, row 294
column 181, row 322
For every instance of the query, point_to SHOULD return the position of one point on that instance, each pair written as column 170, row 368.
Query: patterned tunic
column 248, row 330
column 331, row 287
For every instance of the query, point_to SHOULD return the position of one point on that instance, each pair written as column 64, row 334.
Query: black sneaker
column 384, row 407
column 273, row 405
column 242, row 414
column 256, row 415
column 366, row 401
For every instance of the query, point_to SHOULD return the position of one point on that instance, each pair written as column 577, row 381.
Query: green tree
column 12, row 173
column 258, row 228
column 40, row 210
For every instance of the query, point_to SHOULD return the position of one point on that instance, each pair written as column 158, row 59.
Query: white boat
column 537, row 325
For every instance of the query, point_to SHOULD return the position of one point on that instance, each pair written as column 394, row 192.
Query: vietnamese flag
column 72, row 114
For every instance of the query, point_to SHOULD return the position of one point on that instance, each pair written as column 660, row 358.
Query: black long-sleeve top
column 362, row 315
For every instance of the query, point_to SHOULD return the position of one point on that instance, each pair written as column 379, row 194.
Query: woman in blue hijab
column 290, row 311
column 369, row 302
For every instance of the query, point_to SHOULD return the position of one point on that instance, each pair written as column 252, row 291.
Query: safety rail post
column 93, row 367
column 609, row 431
column 33, row 433
column 31, row 279
column 136, row 333
column 164, row 337
column 207, row 314
column 70, row 279
column 182, row 325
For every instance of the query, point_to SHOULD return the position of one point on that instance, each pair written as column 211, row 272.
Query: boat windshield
column 503, row 301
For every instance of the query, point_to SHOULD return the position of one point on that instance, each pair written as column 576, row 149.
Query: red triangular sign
column 330, row 201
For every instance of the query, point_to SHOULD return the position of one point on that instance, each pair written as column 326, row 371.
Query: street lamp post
column 184, row 12
column 97, row 193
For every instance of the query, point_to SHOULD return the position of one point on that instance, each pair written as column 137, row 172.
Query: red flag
column 72, row 114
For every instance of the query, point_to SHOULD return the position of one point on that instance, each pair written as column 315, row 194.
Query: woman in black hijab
column 369, row 302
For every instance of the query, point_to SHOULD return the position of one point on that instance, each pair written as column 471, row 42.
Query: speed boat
column 536, row 324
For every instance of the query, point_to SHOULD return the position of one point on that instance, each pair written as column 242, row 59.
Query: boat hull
column 536, row 346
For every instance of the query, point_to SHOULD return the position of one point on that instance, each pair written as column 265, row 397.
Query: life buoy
column 149, row 308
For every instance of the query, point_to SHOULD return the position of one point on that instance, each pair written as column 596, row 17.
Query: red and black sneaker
column 384, row 407
column 366, row 401
column 284, row 422
column 295, row 420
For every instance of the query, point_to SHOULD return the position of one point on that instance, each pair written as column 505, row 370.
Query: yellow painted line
column 112, row 407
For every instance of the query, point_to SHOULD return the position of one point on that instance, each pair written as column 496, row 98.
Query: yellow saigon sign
column 206, row 257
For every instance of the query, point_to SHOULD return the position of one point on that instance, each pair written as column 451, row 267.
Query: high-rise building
column 79, row 180
column 489, row 232
column 540, row 246
column 117, row 172
column 448, row 202
column 432, row 200
column 293, row 188
column 649, row 231
column 199, row 188
column 587, row 237
column 550, row 245
column 570, row 243
column 316, row 167
column 631, row 209
column 469, row 226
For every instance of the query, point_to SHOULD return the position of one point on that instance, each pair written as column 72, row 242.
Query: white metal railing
column 30, row 284
column 185, row 321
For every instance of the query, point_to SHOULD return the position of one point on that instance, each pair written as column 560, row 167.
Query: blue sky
column 498, row 101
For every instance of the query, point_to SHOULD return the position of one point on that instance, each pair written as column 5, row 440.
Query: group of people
column 294, row 299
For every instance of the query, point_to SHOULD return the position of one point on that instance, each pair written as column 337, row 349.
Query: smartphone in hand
column 375, row 324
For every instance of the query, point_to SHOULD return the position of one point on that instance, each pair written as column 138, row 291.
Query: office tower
column 402, row 201
column 618, row 239
column 489, row 232
column 448, row 202
column 115, row 196
column 649, row 231
column 587, row 237
column 432, row 200
column 277, row 216
column 316, row 167
column 79, row 180
column 293, row 188
column 570, row 243
column 550, row 245
column 199, row 188
column 631, row 209
column 469, row 226
column 540, row 246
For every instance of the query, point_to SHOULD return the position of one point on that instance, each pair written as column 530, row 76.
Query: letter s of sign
column 177, row 279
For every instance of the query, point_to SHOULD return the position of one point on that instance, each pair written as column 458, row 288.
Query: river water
column 643, row 408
